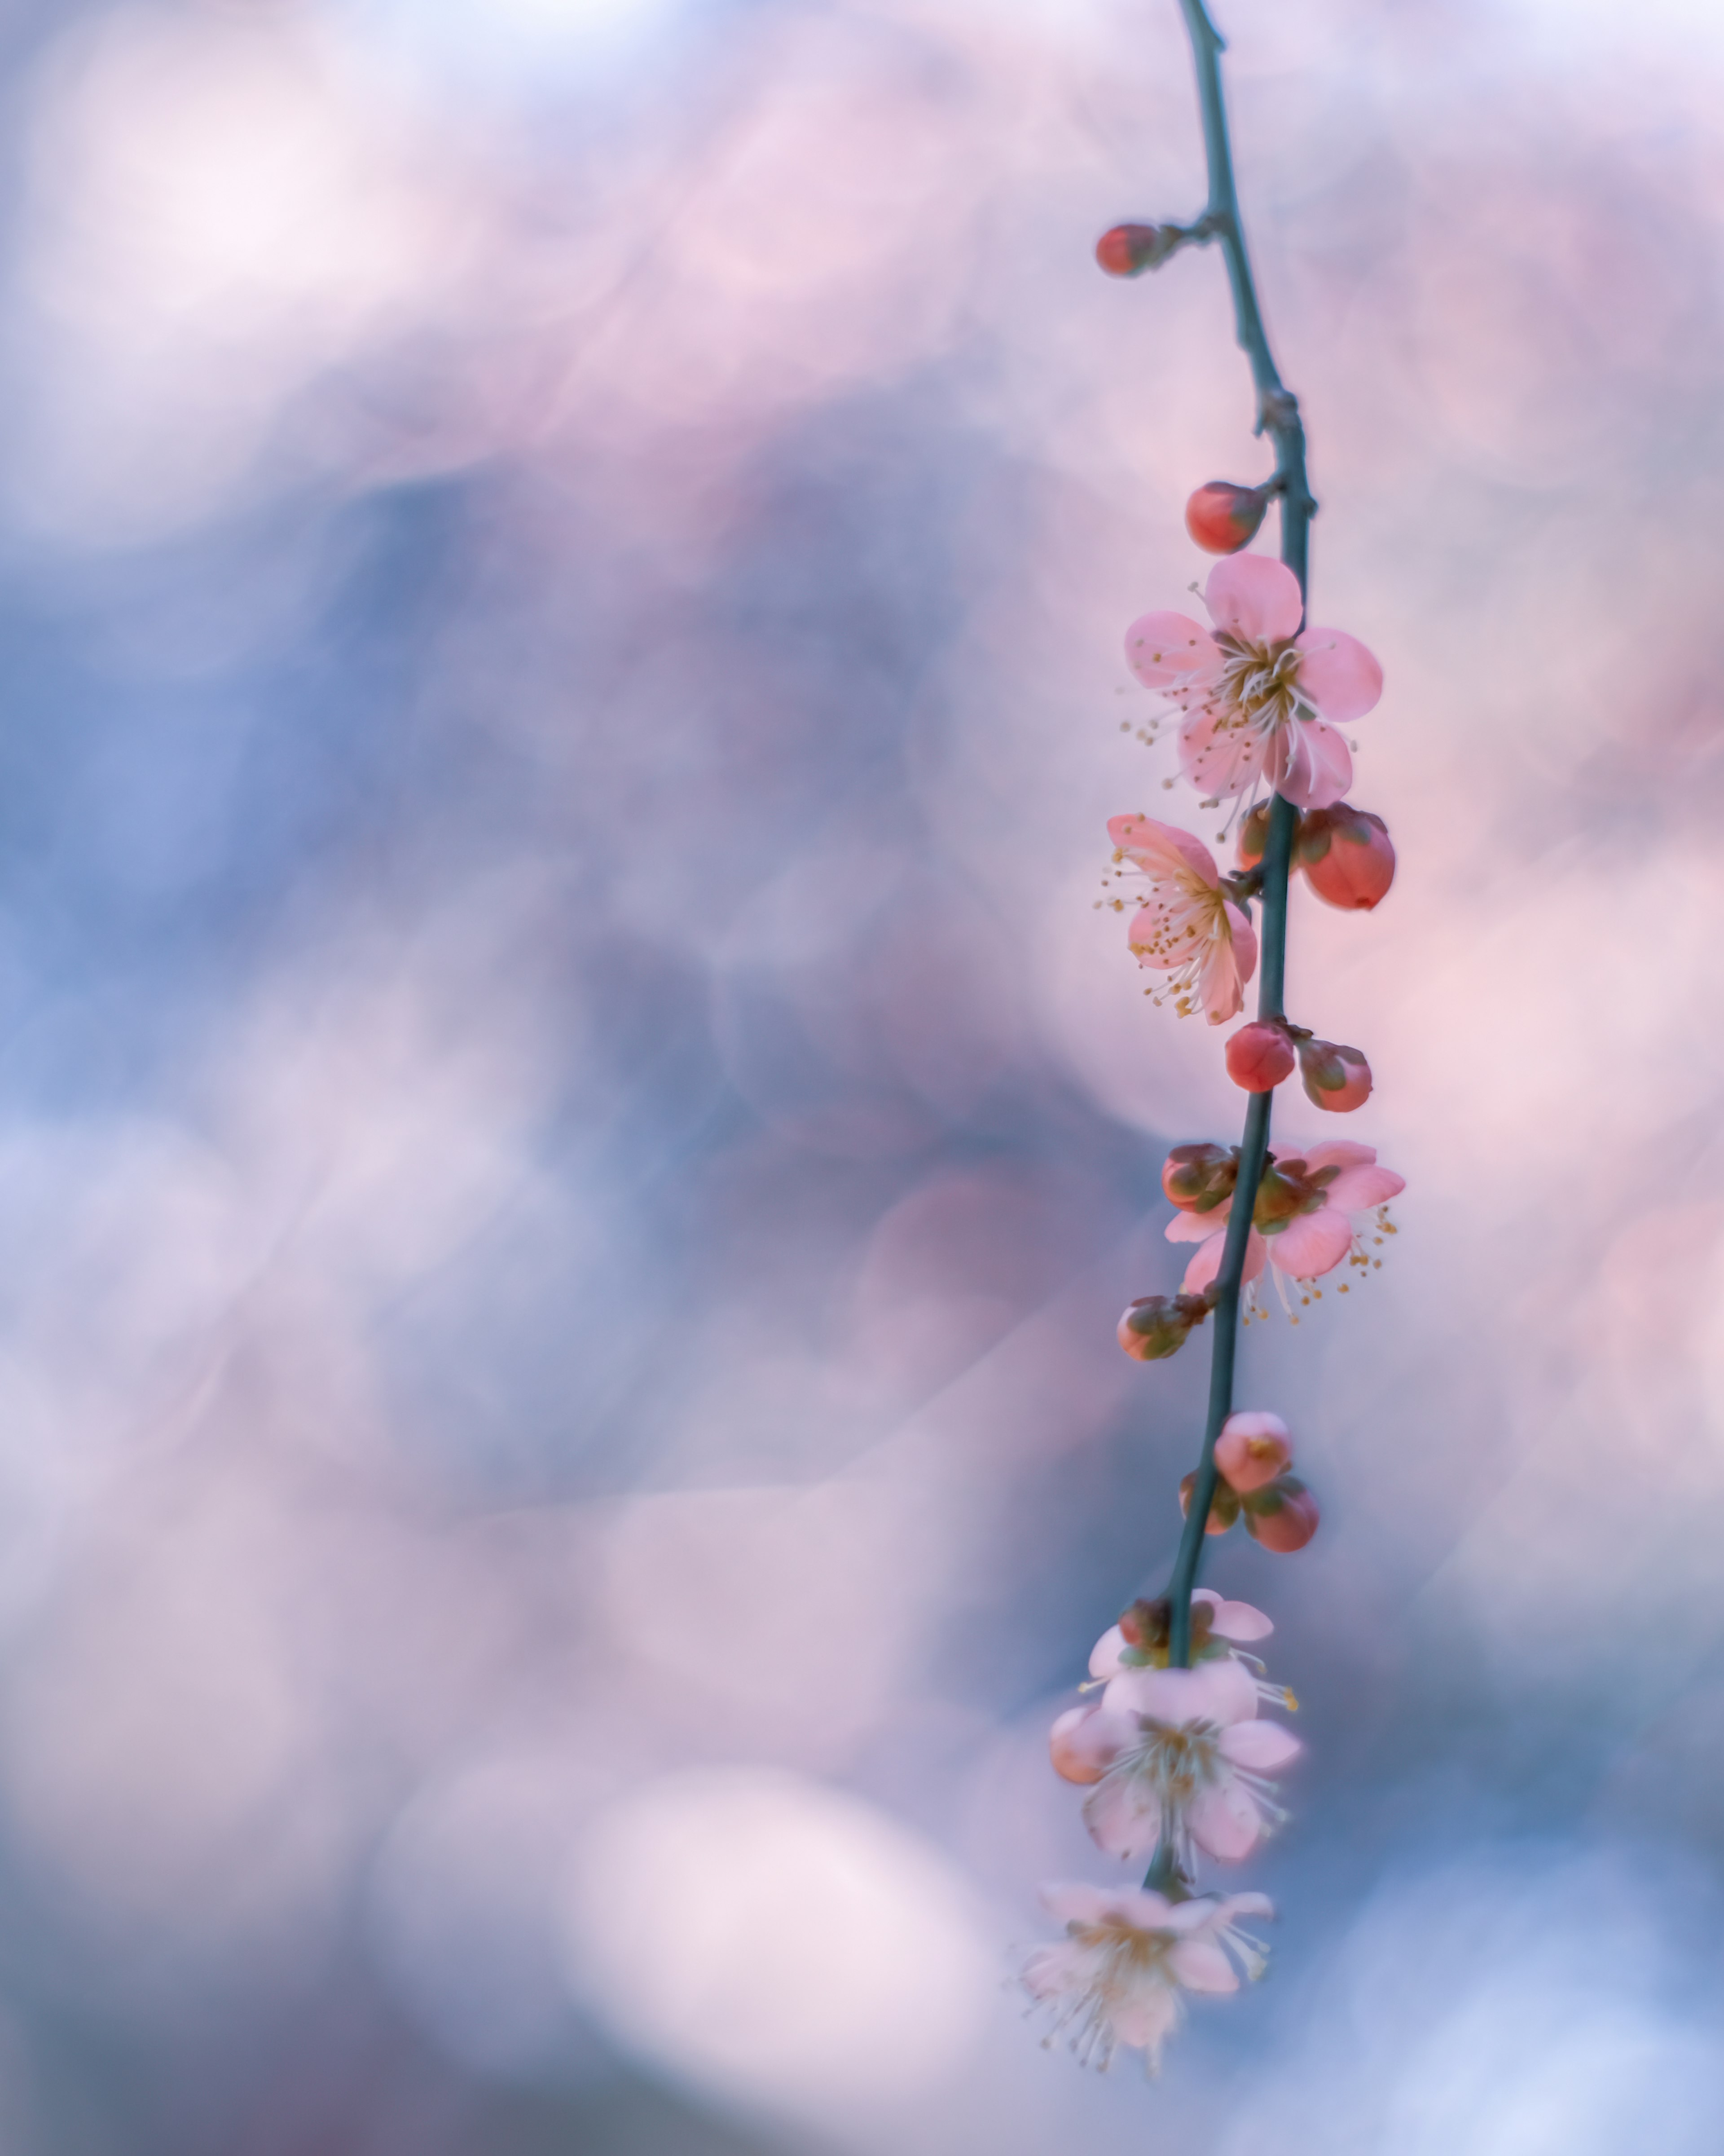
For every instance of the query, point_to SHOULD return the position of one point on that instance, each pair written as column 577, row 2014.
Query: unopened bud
column 1223, row 517
column 1252, row 1450
column 1346, row 854
column 1282, row 1516
column 1254, row 836
column 1336, row 1078
column 1127, row 249
column 1288, row 1189
column 1156, row 1324
column 1223, row 1506
column 1146, row 1627
column 1079, row 1745
column 1199, row 1178
column 1258, row 1057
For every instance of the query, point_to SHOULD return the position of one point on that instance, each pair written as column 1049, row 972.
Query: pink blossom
column 1116, row 1979
column 1179, row 1755
column 1261, row 698
column 1187, row 926
column 1306, row 1213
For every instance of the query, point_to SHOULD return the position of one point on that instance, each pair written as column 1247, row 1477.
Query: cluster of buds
column 1254, row 1457
column 1347, row 854
column 1262, row 1054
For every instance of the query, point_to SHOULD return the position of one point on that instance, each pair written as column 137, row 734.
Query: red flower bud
column 1254, row 836
column 1156, row 1325
column 1223, row 517
column 1348, row 856
column 1253, row 1450
column 1258, row 1057
column 1128, row 248
column 1336, row 1078
column 1282, row 1516
column 1199, row 1178
column 1223, row 1506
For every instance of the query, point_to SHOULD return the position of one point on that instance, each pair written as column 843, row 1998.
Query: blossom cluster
column 1177, row 1757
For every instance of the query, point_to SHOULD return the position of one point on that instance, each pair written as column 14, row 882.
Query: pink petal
column 1078, row 1903
column 1209, row 1692
column 1313, row 1245
column 1148, row 923
column 1169, row 650
column 1218, row 981
column 1338, row 674
column 1143, row 2018
column 1310, row 763
column 1232, row 1695
column 1238, row 1620
column 1105, row 1656
column 1206, row 1262
column 1144, row 1910
column 1195, row 1227
column 1220, row 759
column 1085, row 1741
column 1052, row 1971
column 1200, row 1965
column 1226, row 1822
column 1233, row 1905
column 1357, row 1189
column 1338, row 1153
column 1259, row 1746
column 1124, row 1816
column 1257, row 598
column 1197, row 1915
column 1162, row 848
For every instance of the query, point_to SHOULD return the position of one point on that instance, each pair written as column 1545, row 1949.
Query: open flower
column 1306, row 1218
column 1187, row 926
column 1116, row 1977
column 1261, row 698
column 1178, row 1755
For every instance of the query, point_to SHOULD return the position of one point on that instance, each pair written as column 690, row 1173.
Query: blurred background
column 571, row 1143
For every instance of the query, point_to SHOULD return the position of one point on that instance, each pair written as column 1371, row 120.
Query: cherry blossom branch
column 1278, row 414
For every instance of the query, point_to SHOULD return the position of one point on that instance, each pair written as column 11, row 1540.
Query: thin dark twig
column 1277, row 415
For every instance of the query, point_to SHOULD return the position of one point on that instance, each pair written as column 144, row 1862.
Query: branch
column 1278, row 414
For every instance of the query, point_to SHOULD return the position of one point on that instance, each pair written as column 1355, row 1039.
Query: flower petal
column 1358, row 1190
column 1338, row 674
column 1339, row 1152
column 1169, row 650
column 1085, row 1741
column 1259, row 1745
column 1163, row 849
column 1196, row 1227
column 1218, row 755
column 1310, row 762
column 1255, row 597
column 1233, row 1905
column 1226, row 1822
column 1124, row 1815
column 1143, row 2018
column 1200, row 1965
column 1238, row 1620
column 1313, row 1245
column 1078, row 1903
column 1206, row 1262
column 1105, row 1656
column 1210, row 1692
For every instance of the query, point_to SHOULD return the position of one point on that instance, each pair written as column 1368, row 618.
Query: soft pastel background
column 571, row 1143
